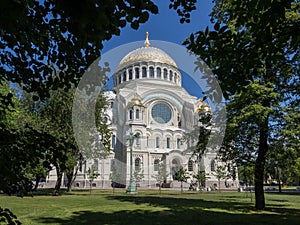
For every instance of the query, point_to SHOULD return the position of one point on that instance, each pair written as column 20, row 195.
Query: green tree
column 161, row 176
column 138, row 176
column 115, row 177
column 201, row 134
column 201, row 178
column 92, row 173
column 22, row 147
column 181, row 176
column 246, row 173
column 44, row 33
column 220, row 174
column 253, row 51
column 56, row 114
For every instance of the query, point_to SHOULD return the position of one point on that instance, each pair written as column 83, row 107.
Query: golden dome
column 136, row 100
column 146, row 54
column 203, row 108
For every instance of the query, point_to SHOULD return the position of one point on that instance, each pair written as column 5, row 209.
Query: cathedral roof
column 146, row 54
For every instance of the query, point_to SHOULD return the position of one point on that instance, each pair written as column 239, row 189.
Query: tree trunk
column 58, row 181
column 260, row 165
column 181, row 186
column 37, row 181
column 70, row 181
column 279, row 186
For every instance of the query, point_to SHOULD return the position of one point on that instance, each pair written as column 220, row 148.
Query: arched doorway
column 175, row 165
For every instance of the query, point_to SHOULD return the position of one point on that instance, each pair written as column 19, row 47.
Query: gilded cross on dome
column 147, row 43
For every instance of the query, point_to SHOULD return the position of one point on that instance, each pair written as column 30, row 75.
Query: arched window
column 120, row 78
column 138, row 139
column 137, row 73
column 175, row 166
column 190, row 166
column 171, row 75
column 178, row 143
column 96, row 162
column 157, row 142
column 158, row 72
column 156, row 164
column 130, row 114
column 137, row 113
column 80, row 165
column 168, row 142
column 144, row 72
column 175, row 77
column 165, row 74
column 130, row 74
column 137, row 163
column 113, row 141
column 212, row 166
column 151, row 70
column 147, row 141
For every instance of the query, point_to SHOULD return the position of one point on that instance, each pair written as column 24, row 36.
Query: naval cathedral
column 148, row 100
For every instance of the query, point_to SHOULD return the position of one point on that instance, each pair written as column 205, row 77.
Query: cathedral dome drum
column 147, row 62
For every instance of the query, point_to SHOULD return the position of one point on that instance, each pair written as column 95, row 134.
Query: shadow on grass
column 172, row 210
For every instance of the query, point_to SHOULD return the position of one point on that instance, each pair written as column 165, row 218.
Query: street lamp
column 131, row 188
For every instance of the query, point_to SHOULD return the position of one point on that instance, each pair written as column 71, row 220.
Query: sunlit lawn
column 150, row 207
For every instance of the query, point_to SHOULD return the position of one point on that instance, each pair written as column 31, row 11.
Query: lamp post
column 131, row 188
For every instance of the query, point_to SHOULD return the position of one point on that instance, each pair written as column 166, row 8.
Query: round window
column 161, row 112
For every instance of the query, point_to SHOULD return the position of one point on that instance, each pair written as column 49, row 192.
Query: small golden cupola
column 203, row 108
column 136, row 100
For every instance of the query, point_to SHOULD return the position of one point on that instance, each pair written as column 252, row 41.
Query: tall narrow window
column 80, row 165
column 212, row 166
column 178, row 142
column 156, row 164
column 157, row 142
column 137, row 163
column 120, row 79
column 165, row 74
column 130, row 114
column 175, row 77
column 144, row 72
column 96, row 163
column 138, row 139
column 137, row 114
column 158, row 72
column 130, row 74
column 113, row 141
column 190, row 166
column 168, row 142
column 137, row 73
column 171, row 75
column 124, row 76
column 147, row 141
column 151, row 71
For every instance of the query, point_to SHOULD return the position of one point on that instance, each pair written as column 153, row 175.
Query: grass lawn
column 150, row 208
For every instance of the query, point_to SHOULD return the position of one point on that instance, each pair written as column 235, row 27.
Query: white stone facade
column 148, row 100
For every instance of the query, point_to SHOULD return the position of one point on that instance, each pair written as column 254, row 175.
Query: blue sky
column 165, row 26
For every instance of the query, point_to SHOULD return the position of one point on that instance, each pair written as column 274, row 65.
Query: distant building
column 148, row 99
